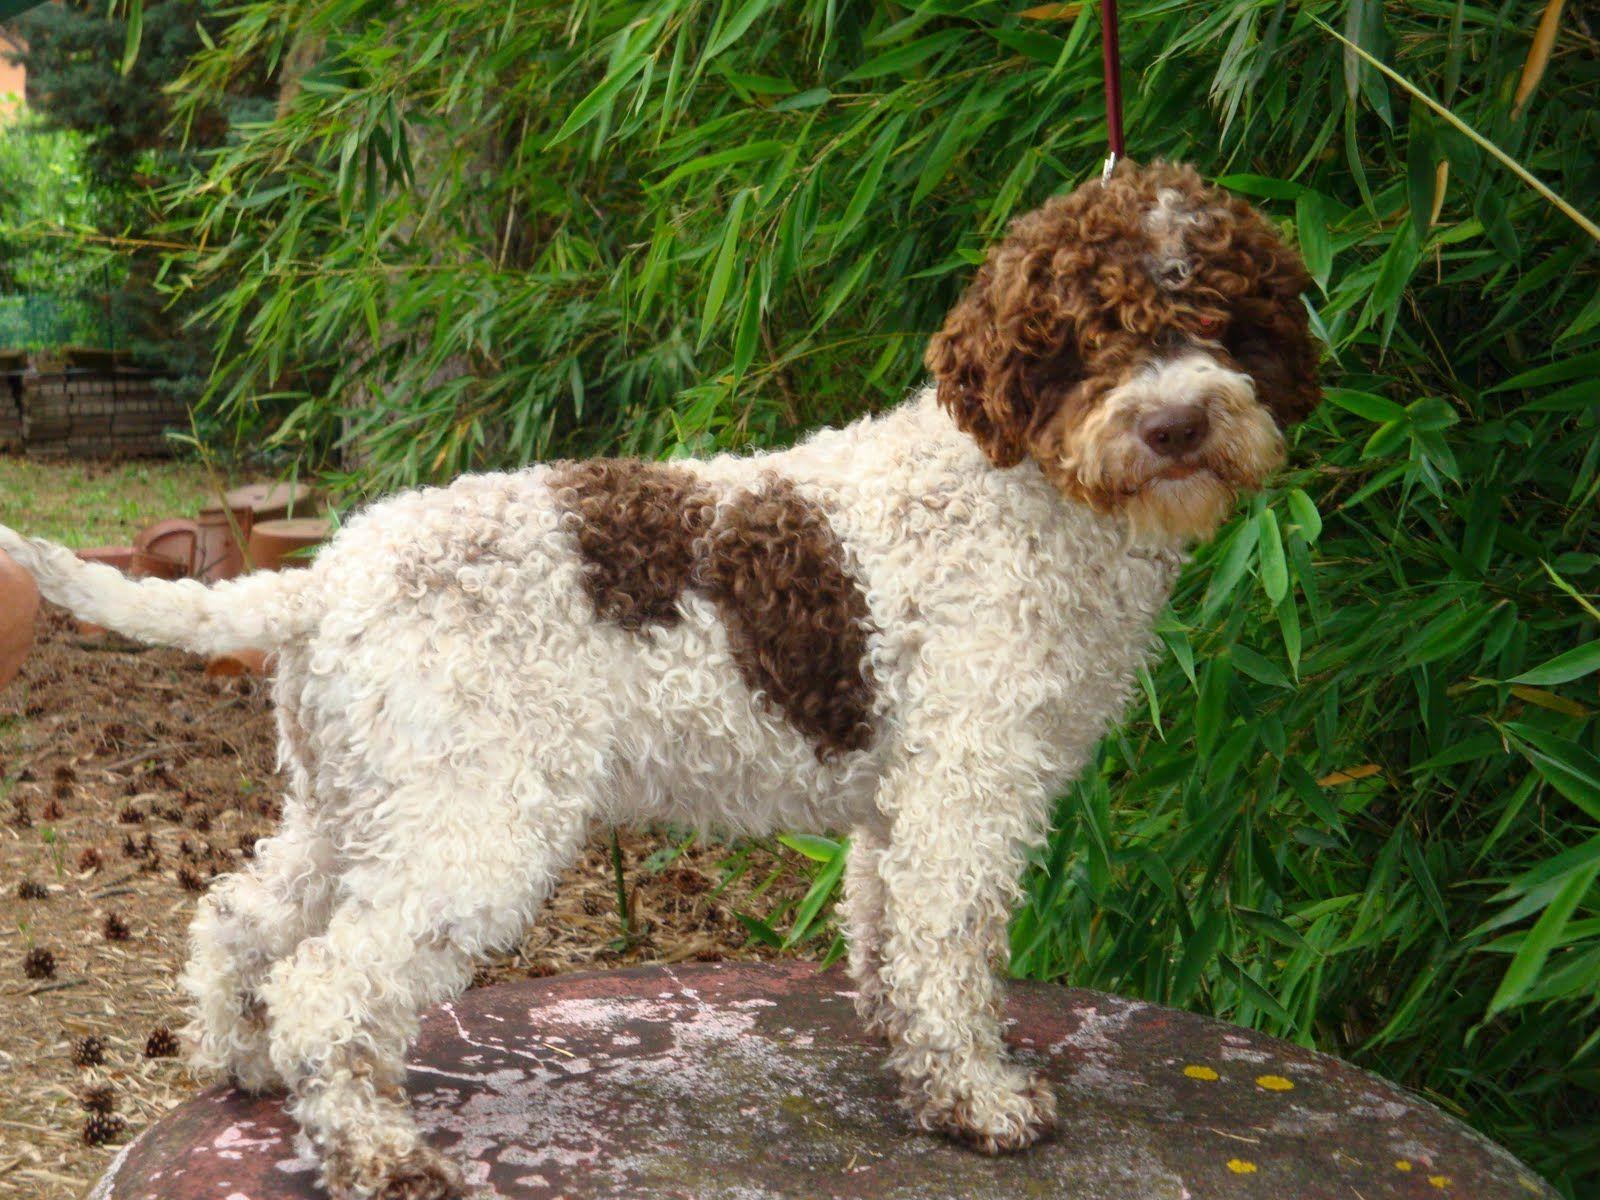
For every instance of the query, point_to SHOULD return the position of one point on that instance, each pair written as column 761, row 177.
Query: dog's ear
column 1007, row 349
column 1270, row 334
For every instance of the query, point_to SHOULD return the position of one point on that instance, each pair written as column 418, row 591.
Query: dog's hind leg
column 247, row 922
column 251, row 919
column 452, row 868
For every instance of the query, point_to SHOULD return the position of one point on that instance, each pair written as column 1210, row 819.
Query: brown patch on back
column 637, row 522
column 796, row 620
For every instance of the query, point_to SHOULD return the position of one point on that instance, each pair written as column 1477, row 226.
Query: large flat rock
column 742, row 1082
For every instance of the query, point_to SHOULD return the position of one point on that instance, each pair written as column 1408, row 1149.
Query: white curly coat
column 452, row 721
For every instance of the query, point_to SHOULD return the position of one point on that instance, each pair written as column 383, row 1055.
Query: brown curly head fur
column 1094, row 287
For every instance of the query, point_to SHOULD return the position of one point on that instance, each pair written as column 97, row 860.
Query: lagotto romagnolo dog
column 914, row 628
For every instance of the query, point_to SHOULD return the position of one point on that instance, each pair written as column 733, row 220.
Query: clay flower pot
column 156, row 566
column 176, row 540
column 223, row 535
column 274, row 545
column 274, row 501
column 19, row 604
column 120, row 557
column 240, row 662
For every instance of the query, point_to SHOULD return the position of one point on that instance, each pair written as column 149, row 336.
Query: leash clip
column 1111, row 164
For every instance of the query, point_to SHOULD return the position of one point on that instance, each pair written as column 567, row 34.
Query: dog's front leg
column 960, row 832
column 866, row 925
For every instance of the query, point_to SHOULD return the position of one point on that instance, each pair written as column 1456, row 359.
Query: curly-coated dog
column 915, row 627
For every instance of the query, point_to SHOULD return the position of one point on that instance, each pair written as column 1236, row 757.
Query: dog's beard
column 1186, row 509
column 1166, row 500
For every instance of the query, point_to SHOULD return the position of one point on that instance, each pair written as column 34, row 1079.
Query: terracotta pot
column 156, row 566
column 275, row 501
column 120, row 557
column 273, row 542
column 19, row 604
column 223, row 535
column 176, row 540
column 241, row 662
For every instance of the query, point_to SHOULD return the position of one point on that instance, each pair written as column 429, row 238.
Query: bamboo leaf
column 1269, row 543
column 1564, row 668
column 903, row 58
column 1525, row 966
column 722, row 270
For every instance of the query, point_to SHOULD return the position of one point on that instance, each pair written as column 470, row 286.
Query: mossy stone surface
column 746, row 1082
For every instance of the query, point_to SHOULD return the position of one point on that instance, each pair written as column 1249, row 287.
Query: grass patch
column 94, row 503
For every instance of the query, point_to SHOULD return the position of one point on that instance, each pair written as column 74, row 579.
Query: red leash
column 1112, row 55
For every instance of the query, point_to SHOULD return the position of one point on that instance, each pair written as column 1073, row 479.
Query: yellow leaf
column 1441, row 181
column 1051, row 12
column 1544, row 41
column 1550, row 700
column 1350, row 774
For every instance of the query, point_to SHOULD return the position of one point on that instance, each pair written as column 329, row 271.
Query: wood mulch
column 128, row 779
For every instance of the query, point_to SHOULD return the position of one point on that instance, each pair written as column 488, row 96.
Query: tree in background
column 131, row 154
column 1360, row 804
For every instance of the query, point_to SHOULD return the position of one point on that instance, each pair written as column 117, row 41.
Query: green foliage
column 1361, row 807
column 114, row 114
column 45, row 277
column 44, row 185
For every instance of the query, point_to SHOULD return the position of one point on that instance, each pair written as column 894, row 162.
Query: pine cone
column 39, row 963
column 101, row 1128
column 88, row 1051
column 101, row 1098
column 89, row 860
column 191, row 880
column 115, row 928
column 131, row 814
column 162, row 1043
column 31, row 889
column 52, row 810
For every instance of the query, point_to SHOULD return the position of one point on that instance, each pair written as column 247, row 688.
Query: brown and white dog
column 916, row 627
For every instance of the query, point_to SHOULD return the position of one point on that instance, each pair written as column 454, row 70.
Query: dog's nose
column 1174, row 432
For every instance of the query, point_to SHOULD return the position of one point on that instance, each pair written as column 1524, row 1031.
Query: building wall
column 87, row 414
column 13, row 79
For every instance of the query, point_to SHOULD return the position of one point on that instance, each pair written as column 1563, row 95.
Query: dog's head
column 1143, row 340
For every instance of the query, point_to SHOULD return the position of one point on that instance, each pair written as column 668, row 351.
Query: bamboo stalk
column 1511, row 164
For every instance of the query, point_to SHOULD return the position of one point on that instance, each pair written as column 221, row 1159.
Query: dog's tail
column 260, row 611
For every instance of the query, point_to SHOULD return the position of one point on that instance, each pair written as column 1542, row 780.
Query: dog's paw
column 235, row 1053
column 998, row 1117
column 422, row 1175
column 419, row 1174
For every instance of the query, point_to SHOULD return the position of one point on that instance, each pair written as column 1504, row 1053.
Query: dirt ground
column 128, row 780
